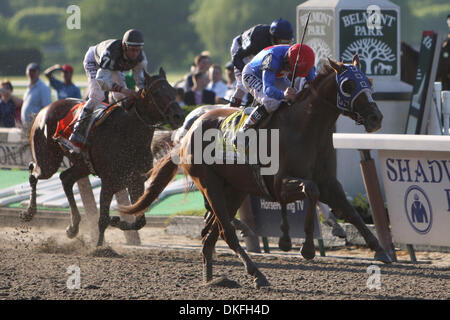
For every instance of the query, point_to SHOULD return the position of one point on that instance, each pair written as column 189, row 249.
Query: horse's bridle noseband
column 354, row 115
column 142, row 94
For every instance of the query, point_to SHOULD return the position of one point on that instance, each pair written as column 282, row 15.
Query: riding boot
column 81, row 128
column 256, row 117
column 253, row 121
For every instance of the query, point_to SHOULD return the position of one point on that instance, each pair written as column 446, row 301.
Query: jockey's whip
column 300, row 50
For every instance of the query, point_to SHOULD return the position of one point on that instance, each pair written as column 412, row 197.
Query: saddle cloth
column 65, row 126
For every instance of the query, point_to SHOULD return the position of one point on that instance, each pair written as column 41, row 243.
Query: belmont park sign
column 340, row 29
column 373, row 35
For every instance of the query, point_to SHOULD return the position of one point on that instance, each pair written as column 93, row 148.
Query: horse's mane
column 324, row 73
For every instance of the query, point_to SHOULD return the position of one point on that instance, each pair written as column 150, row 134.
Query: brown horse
column 119, row 150
column 307, row 166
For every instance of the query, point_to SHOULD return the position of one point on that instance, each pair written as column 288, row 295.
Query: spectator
column 9, row 106
column 216, row 83
column 231, row 80
column 64, row 89
column 179, row 96
column 443, row 70
column 199, row 94
column 201, row 64
column 37, row 96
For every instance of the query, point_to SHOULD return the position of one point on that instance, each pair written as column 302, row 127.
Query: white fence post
column 435, row 124
column 446, row 111
column 90, row 207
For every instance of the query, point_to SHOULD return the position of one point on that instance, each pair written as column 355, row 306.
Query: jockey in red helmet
column 248, row 44
column 266, row 77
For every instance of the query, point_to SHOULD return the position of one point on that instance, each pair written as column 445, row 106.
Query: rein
column 163, row 116
column 351, row 113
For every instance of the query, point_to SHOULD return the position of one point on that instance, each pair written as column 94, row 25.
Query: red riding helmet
column 305, row 61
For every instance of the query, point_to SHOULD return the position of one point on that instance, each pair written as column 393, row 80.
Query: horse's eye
column 347, row 87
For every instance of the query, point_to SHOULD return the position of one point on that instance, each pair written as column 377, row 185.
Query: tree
column 217, row 22
column 170, row 39
column 369, row 51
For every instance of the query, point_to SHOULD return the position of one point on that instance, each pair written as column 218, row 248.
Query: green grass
column 9, row 178
column 190, row 203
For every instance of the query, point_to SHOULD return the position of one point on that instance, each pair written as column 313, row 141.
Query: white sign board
column 417, row 188
column 416, row 175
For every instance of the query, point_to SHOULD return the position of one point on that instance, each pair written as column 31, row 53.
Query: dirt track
column 33, row 265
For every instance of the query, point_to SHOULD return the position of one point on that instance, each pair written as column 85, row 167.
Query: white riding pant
column 254, row 85
column 96, row 94
column 237, row 73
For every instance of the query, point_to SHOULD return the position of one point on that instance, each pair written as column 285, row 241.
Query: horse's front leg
column 333, row 194
column 284, row 243
column 293, row 189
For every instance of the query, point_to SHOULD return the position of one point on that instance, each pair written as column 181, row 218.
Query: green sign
column 373, row 35
column 415, row 123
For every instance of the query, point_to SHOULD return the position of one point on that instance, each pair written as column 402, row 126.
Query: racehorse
column 119, row 150
column 307, row 165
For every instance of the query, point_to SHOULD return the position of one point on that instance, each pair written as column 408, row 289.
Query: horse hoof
column 285, row 244
column 27, row 216
column 71, row 232
column 140, row 223
column 307, row 252
column 261, row 282
column 114, row 222
column 337, row 231
column 383, row 257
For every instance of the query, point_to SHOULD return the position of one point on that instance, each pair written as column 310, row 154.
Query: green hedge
column 15, row 60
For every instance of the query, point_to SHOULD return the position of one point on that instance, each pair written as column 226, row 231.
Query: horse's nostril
column 374, row 118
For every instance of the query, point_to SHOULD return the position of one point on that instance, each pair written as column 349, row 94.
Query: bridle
column 143, row 94
column 350, row 112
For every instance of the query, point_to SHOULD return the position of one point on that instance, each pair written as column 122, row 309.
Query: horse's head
column 354, row 95
column 159, row 95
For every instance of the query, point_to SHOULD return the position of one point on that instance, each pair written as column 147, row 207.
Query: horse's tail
column 160, row 176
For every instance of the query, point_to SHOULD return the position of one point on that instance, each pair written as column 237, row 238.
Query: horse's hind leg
column 209, row 241
column 218, row 199
column 68, row 179
column 38, row 172
column 31, row 210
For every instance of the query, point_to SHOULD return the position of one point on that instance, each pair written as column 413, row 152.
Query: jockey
column 104, row 65
column 265, row 77
column 251, row 42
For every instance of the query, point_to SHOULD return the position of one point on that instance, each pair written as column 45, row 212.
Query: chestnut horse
column 307, row 165
column 119, row 150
